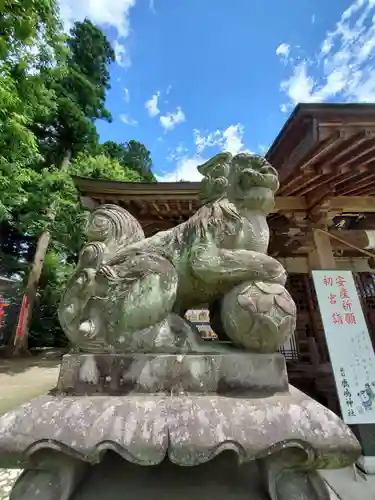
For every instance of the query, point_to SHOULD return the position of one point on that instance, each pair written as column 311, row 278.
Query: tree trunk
column 20, row 341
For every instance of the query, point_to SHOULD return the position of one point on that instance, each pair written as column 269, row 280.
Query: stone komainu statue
column 130, row 293
column 148, row 390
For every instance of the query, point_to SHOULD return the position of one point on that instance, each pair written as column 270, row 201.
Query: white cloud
column 121, row 54
column 126, row 95
column 210, row 140
column 128, row 120
column 114, row 13
column 102, row 12
column 169, row 88
column 176, row 154
column 344, row 67
column 284, row 108
column 283, row 50
column 299, row 86
column 233, row 139
column 171, row 119
column 230, row 139
column 152, row 105
column 313, row 19
column 186, row 170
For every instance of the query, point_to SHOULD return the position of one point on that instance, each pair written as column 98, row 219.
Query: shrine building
column 324, row 218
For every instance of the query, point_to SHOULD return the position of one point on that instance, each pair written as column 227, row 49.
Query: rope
column 344, row 242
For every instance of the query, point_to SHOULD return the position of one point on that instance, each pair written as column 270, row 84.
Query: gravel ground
column 21, row 380
column 7, row 479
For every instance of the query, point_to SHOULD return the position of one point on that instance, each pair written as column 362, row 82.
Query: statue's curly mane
column 216, row 215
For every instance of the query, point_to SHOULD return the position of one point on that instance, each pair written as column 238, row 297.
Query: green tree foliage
column 68, row 227
column 30, row 42
column 67, row 238
column 80, row 89
column 26, row 24
column 51, row 93
column 45, row 330
column 131, row 155
column 67, row 233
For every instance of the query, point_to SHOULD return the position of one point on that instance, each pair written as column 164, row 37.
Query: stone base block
column 367, row 464
column 190, row 430
column 242, row 374
column 279, row 441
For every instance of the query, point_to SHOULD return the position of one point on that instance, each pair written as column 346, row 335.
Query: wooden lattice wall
column 309, row 324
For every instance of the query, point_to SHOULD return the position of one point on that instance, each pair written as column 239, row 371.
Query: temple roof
column 326, row 146
column 325, row 156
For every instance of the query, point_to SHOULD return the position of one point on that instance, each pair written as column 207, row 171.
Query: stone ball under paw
column 258, row 316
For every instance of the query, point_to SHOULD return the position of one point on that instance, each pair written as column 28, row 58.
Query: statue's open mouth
column 251, row 179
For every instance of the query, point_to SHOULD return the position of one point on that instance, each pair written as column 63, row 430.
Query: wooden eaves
column 325, row 155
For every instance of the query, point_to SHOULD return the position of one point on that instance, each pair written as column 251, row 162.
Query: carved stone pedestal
column 229, row 417
column 233, row 416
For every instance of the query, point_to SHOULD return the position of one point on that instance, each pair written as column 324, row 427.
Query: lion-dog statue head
column 246, row 180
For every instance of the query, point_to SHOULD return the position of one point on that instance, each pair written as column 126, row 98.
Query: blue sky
column 194, row 77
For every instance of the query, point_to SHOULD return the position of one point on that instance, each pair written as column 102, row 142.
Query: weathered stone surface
column 238, row 374
column 189, row 429
column 258, row 316
column 188, row 401
column 129, row 293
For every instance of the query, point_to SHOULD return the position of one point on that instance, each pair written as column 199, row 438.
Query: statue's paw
column 279, row 276
column 88, row 329
column 83, row 286
column 258, row 316
column 273, row 288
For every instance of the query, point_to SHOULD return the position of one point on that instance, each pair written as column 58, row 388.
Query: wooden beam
column 138, row 203
column 289, row 203
column 319, row 197
column 326, row 146
column 302, row 149
column 300, row 180
column 353, row 204
column 161, row 197
column 353, row 143
column 353, row 190
column 342, row 179
column 357, row 157
column 308, row 186
column 369, row 191
column 354, row 238
column 178, row 189
column 321, row 256
column 88, row 203
column 338, row 204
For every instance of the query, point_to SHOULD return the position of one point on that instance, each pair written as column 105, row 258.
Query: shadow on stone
column 221, row 479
